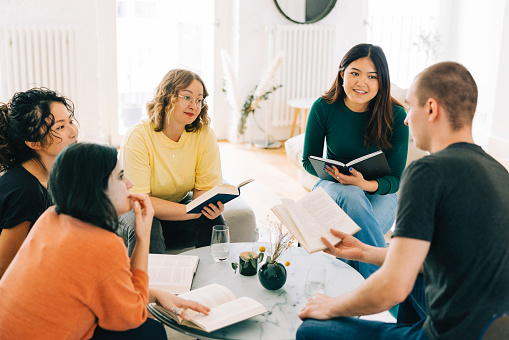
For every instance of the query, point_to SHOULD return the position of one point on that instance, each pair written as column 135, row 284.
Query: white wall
column 248, row 46
column 96, row 53
column 476, row 35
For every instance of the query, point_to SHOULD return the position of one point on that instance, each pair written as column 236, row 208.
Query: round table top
column 284, row 304
column 301, row 103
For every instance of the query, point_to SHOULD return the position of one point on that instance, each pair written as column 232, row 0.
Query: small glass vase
column 272, row 276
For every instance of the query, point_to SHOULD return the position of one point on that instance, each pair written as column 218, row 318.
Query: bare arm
column 169, row 301
column 350, row 248
column 170, row 211
column 143, row 215
column 387, row 287
column 10, row 242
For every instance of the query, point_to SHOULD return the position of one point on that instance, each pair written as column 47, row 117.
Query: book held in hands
column 371, row 166
column 312, row 217
column 172, row 273
column 225, row 309
column 222, row 193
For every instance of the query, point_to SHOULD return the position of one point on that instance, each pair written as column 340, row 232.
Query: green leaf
column 269, row 260
column 253, row 262
column 260, row 257
column 235, row 265
column 245, row 259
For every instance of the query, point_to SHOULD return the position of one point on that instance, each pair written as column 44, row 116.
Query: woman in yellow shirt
column 174, row 157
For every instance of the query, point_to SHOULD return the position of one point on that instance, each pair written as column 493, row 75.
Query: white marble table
column 284, row 304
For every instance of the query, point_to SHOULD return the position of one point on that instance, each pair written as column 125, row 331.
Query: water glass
column 220, row 243
column 315, row 281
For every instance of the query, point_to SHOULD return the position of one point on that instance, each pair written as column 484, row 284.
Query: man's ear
column 34, row 145
column 432, row 105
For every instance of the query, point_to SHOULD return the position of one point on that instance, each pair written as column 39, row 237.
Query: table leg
column 304, row 121
column 296, row 114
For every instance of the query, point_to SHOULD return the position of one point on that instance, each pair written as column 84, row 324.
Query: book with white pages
column 312, row 217
column 225, row 309
column 172, row 273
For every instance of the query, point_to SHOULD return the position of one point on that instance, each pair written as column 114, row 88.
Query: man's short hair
column 453, row 87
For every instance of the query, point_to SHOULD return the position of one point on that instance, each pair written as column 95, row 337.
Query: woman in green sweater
column 356, row 117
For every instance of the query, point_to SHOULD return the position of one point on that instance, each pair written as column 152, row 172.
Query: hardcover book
column 222, row 193
column 312, row 217
column 371, row 166
column 225, row 309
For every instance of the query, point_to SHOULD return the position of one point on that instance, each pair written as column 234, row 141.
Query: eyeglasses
column 187, row 100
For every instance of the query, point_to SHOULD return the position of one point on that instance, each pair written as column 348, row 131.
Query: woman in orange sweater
column 72, row 278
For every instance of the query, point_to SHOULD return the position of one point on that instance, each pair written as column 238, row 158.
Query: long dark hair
column 27, row 118
column 78, row 182
column 378, row 129
column 166, row 96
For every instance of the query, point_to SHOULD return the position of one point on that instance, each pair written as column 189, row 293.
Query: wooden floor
column 274, row 177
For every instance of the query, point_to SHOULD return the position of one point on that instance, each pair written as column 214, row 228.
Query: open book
column 222, row 193
column 172, row 273
column 312, row 217
column 371, row 166
column 225, row 309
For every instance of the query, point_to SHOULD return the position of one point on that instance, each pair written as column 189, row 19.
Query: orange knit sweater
column 68, row 277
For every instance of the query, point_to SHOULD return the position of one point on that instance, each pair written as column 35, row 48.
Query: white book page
column 228, row 314
column 210, row 296
column 307, row 225
column 283, row 215
column 172, row 273
column 172, row 260
column 327, row 214
column 171, row 279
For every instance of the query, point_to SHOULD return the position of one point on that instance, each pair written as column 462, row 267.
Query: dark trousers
column 150, row 329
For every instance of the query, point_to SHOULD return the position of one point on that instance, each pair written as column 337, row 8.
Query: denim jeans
column 358, row 329
column 374, row 214
column 411, row 316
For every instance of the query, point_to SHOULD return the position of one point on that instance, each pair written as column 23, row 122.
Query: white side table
column 299, row 104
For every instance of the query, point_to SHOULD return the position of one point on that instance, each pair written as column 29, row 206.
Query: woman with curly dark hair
column 34, row 127
column 174, row 157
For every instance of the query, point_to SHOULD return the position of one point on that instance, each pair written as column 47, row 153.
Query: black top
column 458, row 199
column 22, row 197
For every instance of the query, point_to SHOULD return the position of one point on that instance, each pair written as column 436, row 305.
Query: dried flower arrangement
column 281, row 240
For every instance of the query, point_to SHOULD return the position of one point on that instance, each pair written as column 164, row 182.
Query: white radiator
column 307, row 70
column 33, row 56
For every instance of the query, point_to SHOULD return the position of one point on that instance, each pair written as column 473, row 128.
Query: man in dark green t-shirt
column 452, row 226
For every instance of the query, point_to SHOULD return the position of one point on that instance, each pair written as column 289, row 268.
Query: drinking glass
column 315, row 281
column 220, row 243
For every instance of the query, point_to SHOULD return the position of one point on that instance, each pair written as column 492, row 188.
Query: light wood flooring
column 274, row 177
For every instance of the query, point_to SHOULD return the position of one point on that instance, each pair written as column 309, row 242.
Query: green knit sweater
column 343, row 129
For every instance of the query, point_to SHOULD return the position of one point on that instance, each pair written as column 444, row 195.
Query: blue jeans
column 374, row 214
column 411, row 316
column 358, row 329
